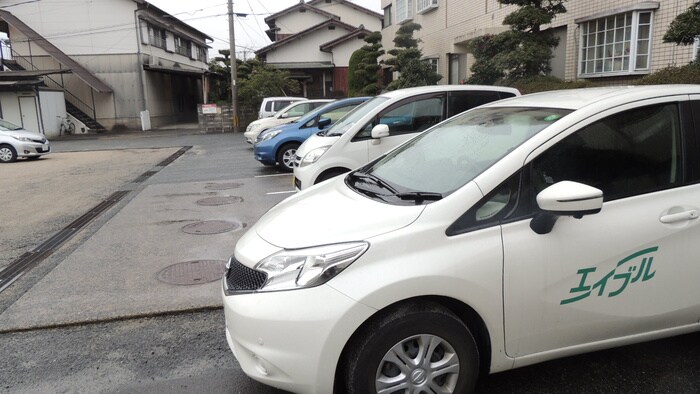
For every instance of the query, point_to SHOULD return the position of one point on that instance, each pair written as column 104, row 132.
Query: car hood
column 266, row 123
column 22, row 133
column 331, row 213
column 313, row 142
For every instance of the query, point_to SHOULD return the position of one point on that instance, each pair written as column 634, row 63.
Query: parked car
column 271, row 105
column 518, row 232
column 397, row 117
column 17, row 142
column 286, row 115
column 278, row 144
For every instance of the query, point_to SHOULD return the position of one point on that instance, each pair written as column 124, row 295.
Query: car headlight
column 313, row 156
column 23, row 139
column 302, row 268
column 267, row 135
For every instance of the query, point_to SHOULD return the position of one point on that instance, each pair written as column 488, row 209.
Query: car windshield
column 344, row 123
column 440, row 161
column 5, row 125
column 311, row 115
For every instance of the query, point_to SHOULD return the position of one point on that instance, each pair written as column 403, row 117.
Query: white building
column 124, row 57
column 314, row 41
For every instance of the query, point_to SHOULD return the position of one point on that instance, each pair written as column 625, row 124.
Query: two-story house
column 119, row 58
column 314, row 41
column 598, row 40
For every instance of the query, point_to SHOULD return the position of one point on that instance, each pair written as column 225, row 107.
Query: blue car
column 279, row 144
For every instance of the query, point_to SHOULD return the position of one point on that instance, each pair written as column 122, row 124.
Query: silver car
column 17, row 142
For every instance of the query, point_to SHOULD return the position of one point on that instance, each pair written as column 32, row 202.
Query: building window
column 156, row 36
column 423, row 6
column 182, row 46
column 387, row 17
column 404, row 10
column 434, row 63
column 696, row 45
column 616, row 44
column 202, row 54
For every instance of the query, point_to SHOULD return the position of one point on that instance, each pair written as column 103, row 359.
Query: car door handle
column 680, row 216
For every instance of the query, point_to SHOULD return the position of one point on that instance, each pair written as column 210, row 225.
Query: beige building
column 117, row 58
column 605, row 41
column 314, row 41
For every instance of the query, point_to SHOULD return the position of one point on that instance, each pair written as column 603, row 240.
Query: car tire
column 403, row 335
column 330, row 174
column 285, row 157
column 8, row 154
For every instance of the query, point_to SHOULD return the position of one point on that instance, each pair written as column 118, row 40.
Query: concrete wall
column 343, row 52
column 81, row 27
column 446, row 29
column 53, row 108
column 48, row 106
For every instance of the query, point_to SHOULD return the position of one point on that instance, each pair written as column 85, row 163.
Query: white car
column 521, row 231
column 272, row 105
column 286, row 115
column 382, row 124
column 17, row 142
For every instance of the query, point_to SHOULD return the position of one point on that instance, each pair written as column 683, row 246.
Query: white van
column 270, row 105
column 521, row 231
column 383, row 123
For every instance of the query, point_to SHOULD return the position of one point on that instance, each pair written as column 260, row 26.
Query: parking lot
column 109, row 310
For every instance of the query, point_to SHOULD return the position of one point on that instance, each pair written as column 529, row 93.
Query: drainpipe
column 140, row 62
column 41, row 117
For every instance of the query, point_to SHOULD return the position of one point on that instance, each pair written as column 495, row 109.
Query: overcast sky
column 210, row 17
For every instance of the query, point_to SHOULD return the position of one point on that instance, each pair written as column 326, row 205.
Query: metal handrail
column 52, row 83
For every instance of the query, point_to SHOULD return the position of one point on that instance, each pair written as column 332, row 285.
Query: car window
column 268, row 106
column 333, row 114
column 281, row 104
column 299, row 110
column 316, row 105
column 458, row 102
column 493, row 208
column 413, row 116
column 626, row 154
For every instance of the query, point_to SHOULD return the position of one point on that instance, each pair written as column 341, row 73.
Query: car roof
column 283, row 98
column 408, row 92
column 576, row 99
column 330, row 105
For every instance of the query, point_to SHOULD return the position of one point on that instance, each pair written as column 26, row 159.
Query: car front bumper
column 31, row 149
column 305, row 176
column 293, row 339
column 265, row 153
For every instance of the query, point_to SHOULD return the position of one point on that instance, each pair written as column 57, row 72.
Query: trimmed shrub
column 690, row 73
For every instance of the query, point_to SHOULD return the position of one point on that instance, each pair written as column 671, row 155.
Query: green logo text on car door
column 635, row 268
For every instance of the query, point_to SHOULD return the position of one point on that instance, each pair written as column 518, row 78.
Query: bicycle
column 67, row 127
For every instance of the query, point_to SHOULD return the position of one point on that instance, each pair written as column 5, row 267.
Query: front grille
column 41, row 141
column 241, row 278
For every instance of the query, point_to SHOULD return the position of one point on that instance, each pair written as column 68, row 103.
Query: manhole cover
column 223, row 186
column 212, row 201
column 211, row 227
column 193, row 272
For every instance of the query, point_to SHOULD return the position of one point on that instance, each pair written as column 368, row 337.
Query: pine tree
column 407, row 60
column 364, row 67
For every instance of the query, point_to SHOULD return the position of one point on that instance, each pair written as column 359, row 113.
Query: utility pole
column 234, row 67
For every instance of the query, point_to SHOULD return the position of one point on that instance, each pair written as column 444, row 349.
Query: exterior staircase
column 87, row 120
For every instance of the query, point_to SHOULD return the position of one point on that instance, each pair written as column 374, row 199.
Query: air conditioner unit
column 423, row 6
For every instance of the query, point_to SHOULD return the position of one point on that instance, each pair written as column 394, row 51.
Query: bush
column 689, row 73
column 545, row 83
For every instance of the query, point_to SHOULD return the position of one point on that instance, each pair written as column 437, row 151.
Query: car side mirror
column 379, row 131
column 284, row 115
column 323, row 122
column 565, row 198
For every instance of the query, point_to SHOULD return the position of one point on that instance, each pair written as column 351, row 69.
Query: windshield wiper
column 372, row 179
column 419, row 197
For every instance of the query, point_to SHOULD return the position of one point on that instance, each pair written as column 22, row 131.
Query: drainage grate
column 210, row 227
column 213, row 201
column 144, row 176
column 223, row 186
column 193, row 272
column 174, row 156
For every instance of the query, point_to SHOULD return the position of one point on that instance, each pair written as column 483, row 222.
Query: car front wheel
column 8, row 154
column 285, row 157
column 418, row 348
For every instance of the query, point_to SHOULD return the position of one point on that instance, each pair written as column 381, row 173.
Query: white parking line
column 271, row 175
column 287, row 192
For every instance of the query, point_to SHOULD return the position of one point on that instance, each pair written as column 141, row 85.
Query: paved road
column 94, row 317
